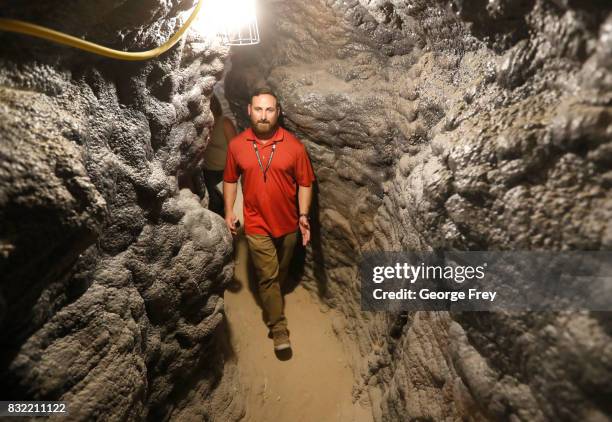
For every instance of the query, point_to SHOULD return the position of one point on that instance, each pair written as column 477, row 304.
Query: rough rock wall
column 112, row 277
column 470, row 125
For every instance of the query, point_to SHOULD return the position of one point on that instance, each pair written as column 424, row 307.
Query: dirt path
column 313, row 383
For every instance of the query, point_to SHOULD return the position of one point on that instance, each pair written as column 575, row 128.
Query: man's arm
column 228, row 129
column 304, row 201
column 229, row 198
column 304, row 198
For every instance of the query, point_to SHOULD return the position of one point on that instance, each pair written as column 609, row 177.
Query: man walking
column 275, row 168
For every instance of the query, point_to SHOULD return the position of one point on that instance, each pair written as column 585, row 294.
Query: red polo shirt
column 270, row 206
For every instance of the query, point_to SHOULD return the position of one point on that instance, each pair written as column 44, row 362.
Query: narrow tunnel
column 430, row 125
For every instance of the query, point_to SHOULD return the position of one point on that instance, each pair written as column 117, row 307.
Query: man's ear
column 249, row 109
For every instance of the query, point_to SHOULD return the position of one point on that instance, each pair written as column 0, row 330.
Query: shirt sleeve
column 231, row 173
column 304, row 174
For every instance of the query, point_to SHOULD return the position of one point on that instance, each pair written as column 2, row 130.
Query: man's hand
column 230, row 222
column 305, row 229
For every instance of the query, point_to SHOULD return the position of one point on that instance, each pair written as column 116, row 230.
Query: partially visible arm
column 304, row 201
column 228, row 129
column 230, row 188
column 229, row 198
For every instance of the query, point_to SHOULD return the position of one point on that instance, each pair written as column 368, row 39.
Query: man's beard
column 263, row 128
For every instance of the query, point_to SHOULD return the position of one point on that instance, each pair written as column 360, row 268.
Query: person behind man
column 215, row 155
column 275, row 168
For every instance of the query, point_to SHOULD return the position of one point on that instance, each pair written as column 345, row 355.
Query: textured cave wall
column 480, row 125
column 112, row 275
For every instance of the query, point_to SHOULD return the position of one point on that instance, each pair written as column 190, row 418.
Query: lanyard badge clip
column 264, row 171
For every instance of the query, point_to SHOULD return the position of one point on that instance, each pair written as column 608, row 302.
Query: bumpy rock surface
column 112, row 275
column 431, row 125
column 452, row 124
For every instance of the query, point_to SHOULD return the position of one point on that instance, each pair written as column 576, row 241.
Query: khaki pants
column 271, row 257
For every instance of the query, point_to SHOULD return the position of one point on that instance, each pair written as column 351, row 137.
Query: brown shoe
column 281, row 340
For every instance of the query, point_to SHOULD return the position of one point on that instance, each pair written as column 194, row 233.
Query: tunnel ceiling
column 478, row 125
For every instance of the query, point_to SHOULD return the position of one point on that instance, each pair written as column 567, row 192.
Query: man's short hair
column 264, row 90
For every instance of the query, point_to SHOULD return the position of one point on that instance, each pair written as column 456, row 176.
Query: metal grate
column 244, row 33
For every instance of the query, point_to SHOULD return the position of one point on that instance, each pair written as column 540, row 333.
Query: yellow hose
column 27, row 28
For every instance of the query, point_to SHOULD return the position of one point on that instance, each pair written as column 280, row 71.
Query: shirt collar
column 277, row 137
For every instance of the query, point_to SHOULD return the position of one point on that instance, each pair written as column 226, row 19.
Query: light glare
column 234, row 21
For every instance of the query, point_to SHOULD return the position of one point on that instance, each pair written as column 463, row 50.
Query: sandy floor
column 313, row 382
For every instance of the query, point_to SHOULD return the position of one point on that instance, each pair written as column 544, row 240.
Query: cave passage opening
column 315, row 379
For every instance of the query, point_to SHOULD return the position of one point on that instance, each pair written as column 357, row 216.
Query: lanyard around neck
column 264, row 171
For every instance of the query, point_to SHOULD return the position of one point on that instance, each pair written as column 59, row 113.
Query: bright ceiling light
column 234, row 21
